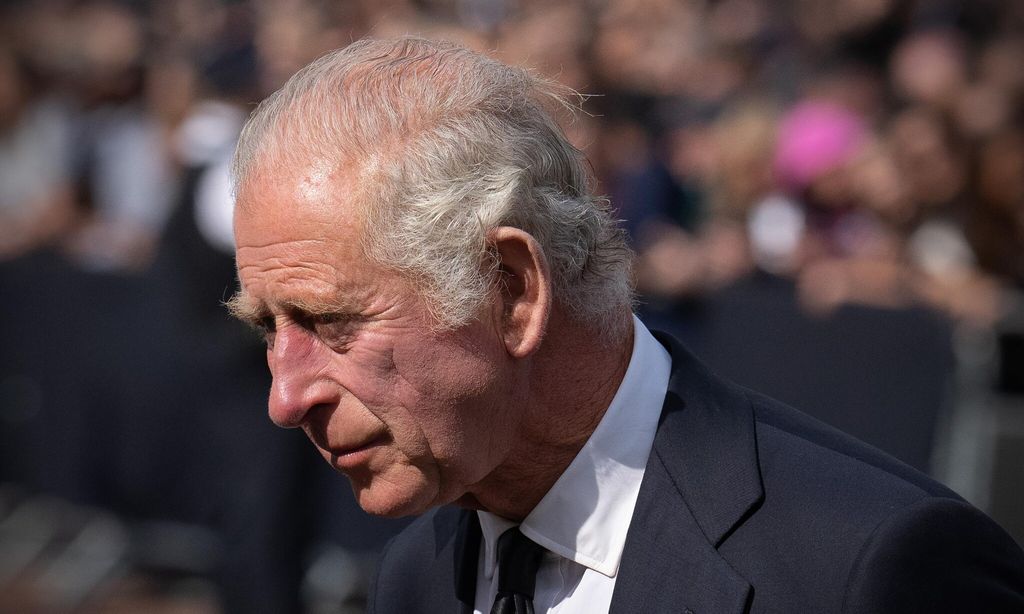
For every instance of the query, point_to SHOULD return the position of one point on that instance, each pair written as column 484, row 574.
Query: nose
column 298, row 385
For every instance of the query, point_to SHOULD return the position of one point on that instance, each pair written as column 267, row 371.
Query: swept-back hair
column 446, row 144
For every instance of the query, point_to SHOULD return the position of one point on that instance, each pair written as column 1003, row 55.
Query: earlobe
column 524, row 288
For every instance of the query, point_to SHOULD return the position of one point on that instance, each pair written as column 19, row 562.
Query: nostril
column 318, row 413
column 319, row 408
column 316, row 423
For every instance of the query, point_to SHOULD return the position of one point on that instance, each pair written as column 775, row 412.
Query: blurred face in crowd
column 411, row 415
column 929, row 67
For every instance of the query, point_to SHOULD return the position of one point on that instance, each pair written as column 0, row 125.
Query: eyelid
column 332, row 318
column 267, row 323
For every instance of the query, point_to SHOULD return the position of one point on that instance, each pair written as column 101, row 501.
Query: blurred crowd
column 871, row 149
column 867, row 152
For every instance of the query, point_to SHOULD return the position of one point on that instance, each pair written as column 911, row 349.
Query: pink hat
column 815, row 137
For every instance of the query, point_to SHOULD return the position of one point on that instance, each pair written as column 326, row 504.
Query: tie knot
column 518, row 560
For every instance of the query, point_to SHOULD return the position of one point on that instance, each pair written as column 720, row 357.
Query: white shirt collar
column 586, row 514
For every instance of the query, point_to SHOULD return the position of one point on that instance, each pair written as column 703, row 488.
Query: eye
column 267, row 326
column 333, row 329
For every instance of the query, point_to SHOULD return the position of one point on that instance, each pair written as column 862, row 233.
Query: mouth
column 352, row 457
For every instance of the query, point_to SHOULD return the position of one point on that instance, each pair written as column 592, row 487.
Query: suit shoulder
column 792, row 442
column 936, row 555
column 847, row 525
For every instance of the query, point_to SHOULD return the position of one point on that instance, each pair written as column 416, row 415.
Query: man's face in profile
column 411, row 415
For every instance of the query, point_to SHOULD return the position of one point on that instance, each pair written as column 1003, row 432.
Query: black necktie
column 518, row 560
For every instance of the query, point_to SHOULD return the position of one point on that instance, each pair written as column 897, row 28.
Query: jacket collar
column 707, row 443
column 467, row 555
column 702, row 480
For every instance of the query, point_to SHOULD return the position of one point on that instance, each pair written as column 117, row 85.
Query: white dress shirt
column 583, row 519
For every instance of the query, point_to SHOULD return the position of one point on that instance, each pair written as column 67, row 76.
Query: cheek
column 461, row 395
column 369, row 373
column 420, row 382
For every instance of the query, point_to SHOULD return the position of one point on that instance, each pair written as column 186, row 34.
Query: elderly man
column 447, row 311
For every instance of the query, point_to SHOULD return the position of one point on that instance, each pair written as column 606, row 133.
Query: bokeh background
column 826, row 196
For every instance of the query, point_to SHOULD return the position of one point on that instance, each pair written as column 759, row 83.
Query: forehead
column 300, row 220
column 317, row 191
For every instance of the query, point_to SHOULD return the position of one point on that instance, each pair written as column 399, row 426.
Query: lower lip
column 355, row 457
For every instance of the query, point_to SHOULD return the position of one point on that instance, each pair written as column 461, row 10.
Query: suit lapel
column 466, row 560
column 668, row 565
column 707, row 443
column 701, row 481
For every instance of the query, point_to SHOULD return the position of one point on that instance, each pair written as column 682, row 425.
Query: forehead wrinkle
column 276, row 243
column 296, row 295
column 276, row 277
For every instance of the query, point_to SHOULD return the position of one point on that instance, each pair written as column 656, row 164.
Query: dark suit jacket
column 750, row 506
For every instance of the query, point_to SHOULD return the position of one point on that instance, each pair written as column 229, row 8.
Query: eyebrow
column 251, row 310
column 245, row 308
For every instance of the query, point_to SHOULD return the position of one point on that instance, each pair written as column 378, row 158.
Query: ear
column 524, row 289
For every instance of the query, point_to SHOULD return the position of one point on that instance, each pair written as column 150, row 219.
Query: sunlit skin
column 413, row 415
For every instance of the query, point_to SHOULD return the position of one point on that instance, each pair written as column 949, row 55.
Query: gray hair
column 452, row 144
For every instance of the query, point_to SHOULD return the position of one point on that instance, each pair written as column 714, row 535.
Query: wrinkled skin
column 414, row 417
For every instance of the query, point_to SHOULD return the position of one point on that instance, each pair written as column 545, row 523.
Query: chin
column 391, row 501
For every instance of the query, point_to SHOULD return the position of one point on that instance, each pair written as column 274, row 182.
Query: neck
column 574, row 377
